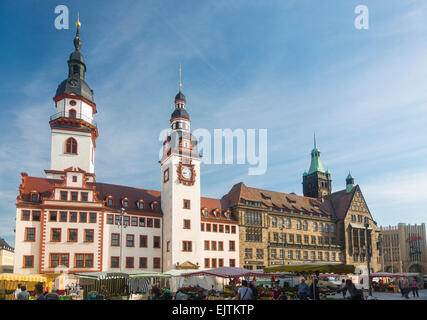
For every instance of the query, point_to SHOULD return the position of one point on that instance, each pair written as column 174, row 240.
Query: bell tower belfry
column 73, row 128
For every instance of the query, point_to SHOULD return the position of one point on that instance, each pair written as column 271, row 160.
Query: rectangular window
column 83, row 260
column 110, row 202
column 25, row 215
column 156, row 263
column 143, row 241
column 273, row 253
column 208, row 227
column 64, row 195
column 207, row 245
column 28, row 262
column 143, row 263
column 84, row 196
column 83, row 217
column 186, row 204
column 142, row 222
column 290, row 254
column 207, row 262
column 220, row 262
column 72, row 235
column 115, row 239
column 126, row 221
column 298, row 255
column 130, row 240
column 291, row 238
column 74, row 196
column 213, row 263
column 156, row 223
column 30, row 234
column 52, row 215
column 227, row 229
column 92, row 217
column 232, row 245
column 55, row 235
column 305, row 255
column 248, row 253
column 253, row 217
column 313, row 240
column 214, row 228
column 213, row 245
column 233, row 229
column 320, row 256
column 134, row 221
column 186, row 246
column 220, row 246
column 118, row 220
column 221, row 228
column 59, row 259
column 149, row 222
column 156, row 242
column 187, row 224
column 36, row 215
column 129, row 262
column 88, row 235
column 63, row 216
column 299, row 238
column 306, row 239
column 110, row 219
column 115, row 262
column 260, row 253
column 232, row 262
column 73, row 216
column 74, row 178
column 202, row 227
column 313, row 256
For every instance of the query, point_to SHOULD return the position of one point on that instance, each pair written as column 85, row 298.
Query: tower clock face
column 187, row 173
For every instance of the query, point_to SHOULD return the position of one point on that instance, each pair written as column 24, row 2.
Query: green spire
column 349, row 182
column 316, row 162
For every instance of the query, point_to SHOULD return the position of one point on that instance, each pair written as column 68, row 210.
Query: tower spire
column 180, row 82
column 315, row 147
column 77, row 41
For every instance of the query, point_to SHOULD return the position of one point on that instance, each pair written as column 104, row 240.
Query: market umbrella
column 312, row 268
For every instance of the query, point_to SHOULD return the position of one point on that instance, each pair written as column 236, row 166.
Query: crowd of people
column 40, row 293
column 406, row 287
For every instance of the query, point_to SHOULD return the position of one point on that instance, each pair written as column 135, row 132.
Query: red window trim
column 234, row 245
column 60, row 260
column 71, row 145
column 154, row 241
column 66, row 214
column 25, row 235
column 84, row 260
column 222, row 246
column 110, row 215
column 60, row 195
column 189, row 224
column 111, row 240
column 214, row 265
column 207, row 263
column 208, row 245
column 51, row 234
column 133, row 240
column 23, row 262
column 80, row 217
column 68, row 235
column 146, row 262
column 164, row 175
column 50, row 220
column 126, row 263
column 154, row 264
column 111, row 262
column 187, row 242
column 22, row 215
column 214, row 227
column 202, row 226
column 69, row 217
column 146, row 241
column 232, row 264
column 220, row 262
column 84, row 235
column 189, row 204
column 212, row 246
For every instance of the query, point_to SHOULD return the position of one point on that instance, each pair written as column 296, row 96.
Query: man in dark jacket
column 314, row 290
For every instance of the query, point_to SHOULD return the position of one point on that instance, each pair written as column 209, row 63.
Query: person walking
column 414, row 287
column 400, row 283
column 254, row 290
column 405, row 286
column 343, row 288
column 303, row 290
column 277, row 292
column 244, row 292
column 314, row 290
column 24, row 294
column 355, row 293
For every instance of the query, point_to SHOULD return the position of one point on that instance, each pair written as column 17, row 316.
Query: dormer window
column 72, row 113
column 154, row 205
column 34, row 196
column 125, row 203
column 110, row 201
column 141, row 204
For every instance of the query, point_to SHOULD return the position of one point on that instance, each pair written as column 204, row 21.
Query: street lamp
column 368, row 258
column 122, row 213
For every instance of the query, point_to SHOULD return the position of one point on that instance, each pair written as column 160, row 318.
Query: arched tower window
column 72, row 113
column 71, row 146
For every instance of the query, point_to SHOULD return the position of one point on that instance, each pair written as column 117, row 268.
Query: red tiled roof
column 214, row 209
column 339, row 202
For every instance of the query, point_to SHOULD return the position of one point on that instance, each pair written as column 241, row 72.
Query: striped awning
column 23, row 278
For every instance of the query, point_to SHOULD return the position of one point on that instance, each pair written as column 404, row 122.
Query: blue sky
column 293, row 67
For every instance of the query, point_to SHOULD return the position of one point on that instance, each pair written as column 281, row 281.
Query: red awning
column 223, row 272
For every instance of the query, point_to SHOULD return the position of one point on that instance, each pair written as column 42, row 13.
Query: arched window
column 332, row 228
column 314, row 226
column 141, row 204
column 305, row 225
column 288, row 223
column 274, row 222
column 125, row 202
column 282, row 223
column 110, row 201
column 321, row 227
column 71, row 146
column 72, row 113
column 326, row 228
column 298, row 224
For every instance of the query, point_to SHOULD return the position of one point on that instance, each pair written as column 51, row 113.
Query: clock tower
column 180, row 199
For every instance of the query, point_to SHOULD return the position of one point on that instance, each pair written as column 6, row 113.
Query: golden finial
column 78, row 24
column 180, row 83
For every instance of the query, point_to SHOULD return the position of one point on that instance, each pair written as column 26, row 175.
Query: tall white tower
column 73, row 129
column 180, row 199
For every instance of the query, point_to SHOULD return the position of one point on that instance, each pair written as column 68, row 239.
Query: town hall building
column 68, row 220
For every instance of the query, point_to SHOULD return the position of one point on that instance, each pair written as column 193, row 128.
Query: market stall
column 9, row 282
column 313, row 270
column 388, row 282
